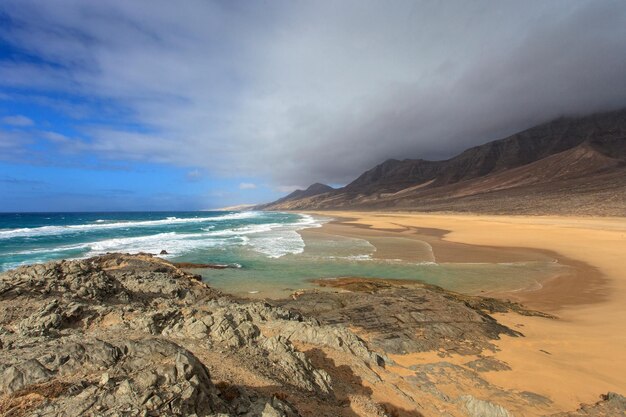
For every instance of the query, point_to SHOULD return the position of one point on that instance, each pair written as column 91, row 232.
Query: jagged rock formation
column 569, row 165
column 135, row 335
column 405, row 317
column 115, row 335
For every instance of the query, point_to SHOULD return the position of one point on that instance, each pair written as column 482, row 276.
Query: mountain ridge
column 503, row 172
column 313, row 190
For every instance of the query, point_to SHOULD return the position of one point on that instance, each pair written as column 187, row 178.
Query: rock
column 42, row 322
column 488, row 364
column 333, row 336
column 163, row 252
column 232, row 328
column 27, row 373
column 104, row 380
column 155, row 322
column 296, row 367
column 610, row 405
column 481, row 408
column 63, row 311
column 77, row 279
column 143, row 376
column 402, row 317
column 136, row 335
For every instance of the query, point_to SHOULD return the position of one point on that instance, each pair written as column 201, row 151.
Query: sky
column 162, row 105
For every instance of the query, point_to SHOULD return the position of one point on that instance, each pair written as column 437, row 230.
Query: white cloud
column 55, row 137
column 320, row 90
column 289, row 188
column 247, row 186
column 17, row 120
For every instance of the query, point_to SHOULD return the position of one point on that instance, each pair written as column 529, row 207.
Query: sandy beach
column 570, row 360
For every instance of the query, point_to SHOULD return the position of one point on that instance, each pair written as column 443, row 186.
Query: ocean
column 268, row 255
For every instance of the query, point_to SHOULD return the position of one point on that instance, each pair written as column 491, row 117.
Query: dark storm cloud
column 320, row 90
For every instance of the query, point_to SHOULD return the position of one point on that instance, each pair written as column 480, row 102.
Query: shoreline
column 582, row 284
column 384, row 344
column 571, row 360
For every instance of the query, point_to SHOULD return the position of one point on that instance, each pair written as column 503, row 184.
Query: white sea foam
column 426, row 263
column 244, row 230
column 101, row 224
column 56, row 249
column 283, row 239
column 174, row 243
column 362, row 257
column 270, row 239
column 278, row 243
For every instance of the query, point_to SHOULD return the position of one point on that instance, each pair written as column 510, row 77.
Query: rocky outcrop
column 481, row 408
column 134, row 335
column 406, row 316
column 151, row 375
column 126, row 335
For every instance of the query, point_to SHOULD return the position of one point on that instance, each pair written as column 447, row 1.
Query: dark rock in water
column 190, row 265
column 163, row 252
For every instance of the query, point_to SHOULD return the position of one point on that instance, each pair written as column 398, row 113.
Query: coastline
column 367, row 347
column 583, row 283
column 571, row 360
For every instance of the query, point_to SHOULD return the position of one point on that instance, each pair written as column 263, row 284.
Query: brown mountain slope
column 313, row 190
column 584, row 182
column 520, row 149
column 568, row 166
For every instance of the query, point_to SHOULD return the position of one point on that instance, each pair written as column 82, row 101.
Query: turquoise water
column 270, row 257
column 208, row 236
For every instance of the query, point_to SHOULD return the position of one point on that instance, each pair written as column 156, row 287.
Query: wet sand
column 570, row 360
column 399, row 239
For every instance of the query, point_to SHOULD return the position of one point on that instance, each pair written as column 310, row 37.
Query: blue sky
column 47, row 163
column 36, row 174
column 160, row 105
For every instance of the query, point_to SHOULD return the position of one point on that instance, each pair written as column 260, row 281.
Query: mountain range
column 571, row 165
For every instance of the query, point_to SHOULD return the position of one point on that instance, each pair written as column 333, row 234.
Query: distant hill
column 566, row 166
column 313, row 190
column 239, row 207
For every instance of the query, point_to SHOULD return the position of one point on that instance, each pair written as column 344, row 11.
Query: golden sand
column 571, row 360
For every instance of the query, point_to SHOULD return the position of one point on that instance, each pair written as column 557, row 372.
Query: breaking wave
column 117, row 224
